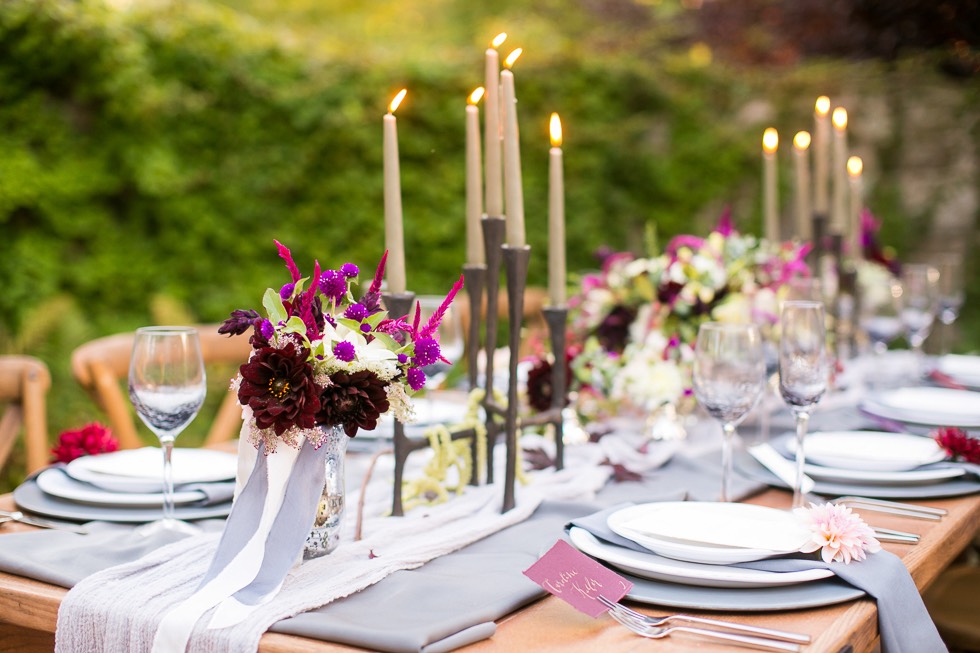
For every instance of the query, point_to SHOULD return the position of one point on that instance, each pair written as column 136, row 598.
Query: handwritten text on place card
column 577, row 579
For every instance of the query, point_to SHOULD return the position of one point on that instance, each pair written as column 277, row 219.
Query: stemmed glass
column 881, row 313
column 729, row 375
column 802, row 371
column 920, row 303
column 950, row 293
column 167, row 385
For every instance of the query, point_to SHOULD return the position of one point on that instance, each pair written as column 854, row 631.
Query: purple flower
column 402, row 359
column 349, row 270
column 366, row 328
column 287, row 291
column 344, row 351
column 239, row 322
column 356, row 312
column 333, row 284
column 427, row 351
column 267, row 330
column 416, row 379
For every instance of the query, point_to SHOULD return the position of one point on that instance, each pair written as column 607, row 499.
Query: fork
column 891, row 535
column 639, row 619
column 654, row 632
column 18, row 516
column 892, row 507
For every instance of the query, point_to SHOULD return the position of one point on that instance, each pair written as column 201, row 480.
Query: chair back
column 101, row 366
column 24, row 383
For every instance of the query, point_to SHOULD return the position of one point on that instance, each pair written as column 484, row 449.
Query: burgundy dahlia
column 277, row 384
column 91, row 439
column 958, row 444
column 354, row 401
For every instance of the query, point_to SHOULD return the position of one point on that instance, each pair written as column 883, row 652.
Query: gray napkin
column 903, row 621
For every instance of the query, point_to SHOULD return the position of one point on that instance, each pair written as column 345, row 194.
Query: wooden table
column 28, row 608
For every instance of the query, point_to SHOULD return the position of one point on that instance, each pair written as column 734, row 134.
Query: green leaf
column 389, row 342
column 273, row 306
column 295, row 325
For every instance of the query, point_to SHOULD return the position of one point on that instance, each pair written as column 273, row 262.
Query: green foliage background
column 150, row 155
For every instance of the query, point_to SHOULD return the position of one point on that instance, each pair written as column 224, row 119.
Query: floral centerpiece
column 634, row 323
column 323, row 359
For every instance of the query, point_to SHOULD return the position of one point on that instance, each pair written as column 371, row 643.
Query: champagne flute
column 951, row 294
column 729, row 375
column 167, row 385
column 802, row 371
column 881, row 313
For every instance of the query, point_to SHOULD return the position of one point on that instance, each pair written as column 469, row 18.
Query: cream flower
column 839, row 534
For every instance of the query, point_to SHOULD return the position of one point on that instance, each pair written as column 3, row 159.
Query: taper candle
column 394, row 239
column 801, row 152
column 854, row 168
column 838, row 215
column 556, row 216
column 474, row 184
column 492, row 132
column 821, row 154
column 513, row 186
column 770, row 143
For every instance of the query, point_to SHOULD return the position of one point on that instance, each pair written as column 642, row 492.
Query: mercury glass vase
column 325, row 534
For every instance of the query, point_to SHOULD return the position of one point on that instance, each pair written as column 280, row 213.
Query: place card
column 577, row 579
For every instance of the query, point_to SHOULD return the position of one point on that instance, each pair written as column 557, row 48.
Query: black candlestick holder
column 493, row 239
column 516, row 261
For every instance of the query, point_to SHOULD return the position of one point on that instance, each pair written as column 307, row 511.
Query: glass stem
column 728, row 435
column 802, row 419
column 167, row 446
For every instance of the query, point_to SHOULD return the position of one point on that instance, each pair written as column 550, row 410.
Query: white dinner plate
column 965, row 370
column 650, row 565
column 141, row 470
column 868, row 451
column 56, row 483
column 710, row 532
column 857, row 477
column 926, row 406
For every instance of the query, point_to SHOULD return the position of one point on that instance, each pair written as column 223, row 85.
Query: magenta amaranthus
column 323, row 359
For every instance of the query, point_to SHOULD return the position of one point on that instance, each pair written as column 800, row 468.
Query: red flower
column 90, row 439
column 958, row 444
column 353, row 401
column 277, row 384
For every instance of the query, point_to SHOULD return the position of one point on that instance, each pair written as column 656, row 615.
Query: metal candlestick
column 475, row 279
column 516, row 261
column 398, row 305
column 557, row 318
column 819, row 247
column 493, row 238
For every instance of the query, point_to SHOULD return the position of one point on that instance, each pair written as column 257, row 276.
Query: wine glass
column 950, row 293
column 920, row 304
column 802, row 370
column 729, row 375
column 881, row 313
column 167, row 385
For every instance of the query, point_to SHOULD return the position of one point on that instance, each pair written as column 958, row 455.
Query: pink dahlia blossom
column 839, row 534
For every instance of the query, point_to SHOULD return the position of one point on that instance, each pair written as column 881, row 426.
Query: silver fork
column 891, row 535
column 653, row 632
column 18, row 516
column 892, row 507
column 626, row 613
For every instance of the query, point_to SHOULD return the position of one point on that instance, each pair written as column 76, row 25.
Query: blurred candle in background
column 821, row 154
column 474, row 183
column 556, row 216
column 801, row 160
column 770, row 143
column 854, row 169
column 394, row 239
column 513, row 186
column 491, row 122
column 838, row 216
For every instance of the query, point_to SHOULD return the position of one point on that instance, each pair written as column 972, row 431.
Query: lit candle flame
column 840, row 118
column 770, row 140
column 476, row 95
column 801, row 141
column 498, row 40
column 512, row 57
column 822, row 106
column 855, row 166
column 397, row 100
column 555, row 128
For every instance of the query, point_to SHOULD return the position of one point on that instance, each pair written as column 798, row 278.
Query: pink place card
column 577, row 579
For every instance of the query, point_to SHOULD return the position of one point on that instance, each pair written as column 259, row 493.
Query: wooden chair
column 101, row 366
column 24, row 383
